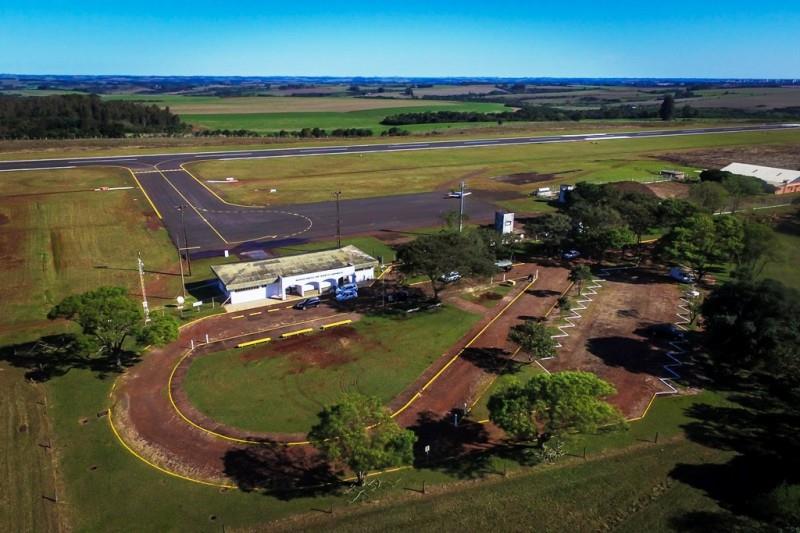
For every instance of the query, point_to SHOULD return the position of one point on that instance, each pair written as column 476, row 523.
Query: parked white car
column 451, row 277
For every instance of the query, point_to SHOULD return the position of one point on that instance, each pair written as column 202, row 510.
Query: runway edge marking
column 141, row 188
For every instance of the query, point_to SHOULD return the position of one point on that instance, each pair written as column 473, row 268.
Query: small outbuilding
column 297, row 275
column 670, row 174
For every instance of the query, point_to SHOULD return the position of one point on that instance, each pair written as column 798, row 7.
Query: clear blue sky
column 600, row 38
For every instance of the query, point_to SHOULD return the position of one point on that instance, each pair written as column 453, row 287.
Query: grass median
column 377, row 356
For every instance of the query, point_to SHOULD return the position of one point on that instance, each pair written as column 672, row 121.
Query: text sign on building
column 503, row 222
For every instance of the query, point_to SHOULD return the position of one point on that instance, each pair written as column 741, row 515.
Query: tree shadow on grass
column 281, row 471
column 760, row 429
column 459, row 450
column 493, row 360
column 464, row 450
column 52, row 356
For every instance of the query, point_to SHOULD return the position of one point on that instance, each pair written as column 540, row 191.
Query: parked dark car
column 308, row 302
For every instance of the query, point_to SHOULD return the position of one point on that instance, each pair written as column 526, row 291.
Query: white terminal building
column 298, row 275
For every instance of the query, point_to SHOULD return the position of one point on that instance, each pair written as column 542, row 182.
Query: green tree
column 702, row 241
column 106, row 316
column 359, row 432
column 673, row 211
column 667, row 109
column 534, row 338
column 714, row 174
column 554, row 404
column 742, row 186
column 161, row 329
column 438, row 254
column 759, row 247
column 709, row 195
column 564, row 303
column 552, row 229
column 639, row 211
column 580, row 274
column 600, row 228
column 754, row 325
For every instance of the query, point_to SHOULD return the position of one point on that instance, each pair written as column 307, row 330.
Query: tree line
column 542, row 112
column 305, row 133
column 73, row 116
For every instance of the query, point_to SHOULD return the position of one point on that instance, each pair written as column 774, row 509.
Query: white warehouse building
column 297, row 275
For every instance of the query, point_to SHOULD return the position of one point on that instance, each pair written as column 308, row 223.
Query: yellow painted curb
column 297, row 332
column 253, row 343
column 334, row 324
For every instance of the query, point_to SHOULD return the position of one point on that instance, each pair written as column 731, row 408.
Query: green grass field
column 378, row 356
column 109, row 489
column 26, row 466
column 786, row 267
column 59, row 237
column 630, row 492
column 310, row 179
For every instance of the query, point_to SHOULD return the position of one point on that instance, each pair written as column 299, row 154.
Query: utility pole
column 140, row 265
column 183, row 281
column 337, row 194
column 461, row 210
column 181, row 208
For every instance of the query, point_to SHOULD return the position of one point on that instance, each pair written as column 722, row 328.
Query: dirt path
column 460, row 382
column 151, row 427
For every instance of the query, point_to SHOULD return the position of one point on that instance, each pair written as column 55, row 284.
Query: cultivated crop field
column 215, row 105
column 351, row 115
column 311, row 179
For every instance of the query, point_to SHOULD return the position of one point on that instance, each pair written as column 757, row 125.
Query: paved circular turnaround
column 152, row 418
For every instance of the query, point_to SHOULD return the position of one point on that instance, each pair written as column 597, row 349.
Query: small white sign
column 197, row 303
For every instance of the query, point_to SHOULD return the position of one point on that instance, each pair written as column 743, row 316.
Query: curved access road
column 212, row 224
column 154, row 420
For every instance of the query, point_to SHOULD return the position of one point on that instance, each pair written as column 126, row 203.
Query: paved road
column 213, row 225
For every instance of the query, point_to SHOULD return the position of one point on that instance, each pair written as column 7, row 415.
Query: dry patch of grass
column 60, row 237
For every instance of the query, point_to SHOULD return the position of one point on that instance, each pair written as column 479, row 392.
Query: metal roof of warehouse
column 237, row 276
column 774, row 176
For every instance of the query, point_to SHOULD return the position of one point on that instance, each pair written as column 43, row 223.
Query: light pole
column 181, row 208
column 461, row 210
column 337, row 194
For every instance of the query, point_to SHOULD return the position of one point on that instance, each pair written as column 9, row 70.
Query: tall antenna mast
column 141, row 285
column 461, row 210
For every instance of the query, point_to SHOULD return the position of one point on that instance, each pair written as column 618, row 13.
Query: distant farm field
column 345, row 114
column 205, row 105
column 310, row 179
column 377, row 356
column 59, row 237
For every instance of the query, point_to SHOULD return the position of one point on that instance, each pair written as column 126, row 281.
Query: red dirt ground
column 612, row 341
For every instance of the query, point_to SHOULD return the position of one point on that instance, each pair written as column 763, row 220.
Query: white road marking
column 106, row 160
column 40, row 168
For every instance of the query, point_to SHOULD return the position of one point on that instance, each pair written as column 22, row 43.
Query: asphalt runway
column 199, row 220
